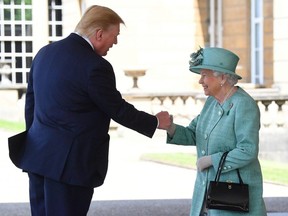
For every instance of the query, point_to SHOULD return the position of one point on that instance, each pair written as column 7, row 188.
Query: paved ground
column 133, row 187
column 169, row 207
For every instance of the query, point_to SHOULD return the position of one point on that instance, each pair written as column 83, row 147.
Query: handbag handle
column 220, row 167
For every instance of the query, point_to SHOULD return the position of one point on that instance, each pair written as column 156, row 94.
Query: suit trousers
column 52, row 198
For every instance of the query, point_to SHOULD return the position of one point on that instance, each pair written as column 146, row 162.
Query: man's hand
column 164, row 120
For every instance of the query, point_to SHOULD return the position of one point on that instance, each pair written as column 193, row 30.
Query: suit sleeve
column 29, row 104
column 102, row 89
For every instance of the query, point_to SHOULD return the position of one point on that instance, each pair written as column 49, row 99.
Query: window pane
column 58, row 30
column 17, row 2
column 28, row 14
column 257, row 35
column 257, row 61
column 50, row 15
column 7, row 30
column 18, row 47
column 17, row 14
column 28, row 2
column 18, row 62
column 50, row 30
column 19, row 78
column 257, row 8
column 7, row 46
column 58, row 2
column 58, row 15
column 7, row 14
column 28, row 30
column 28, row 46
column 28, row 62
column 27, row 76
column 18, row 30
column 7, row 2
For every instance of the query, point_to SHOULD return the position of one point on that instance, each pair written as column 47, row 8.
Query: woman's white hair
column 231, row 79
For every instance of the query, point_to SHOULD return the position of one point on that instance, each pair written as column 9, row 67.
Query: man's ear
column 99, row 34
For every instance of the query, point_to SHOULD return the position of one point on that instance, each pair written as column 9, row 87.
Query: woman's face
column 210, row 83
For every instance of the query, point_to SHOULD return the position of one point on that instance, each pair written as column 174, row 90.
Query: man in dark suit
column 71, row 98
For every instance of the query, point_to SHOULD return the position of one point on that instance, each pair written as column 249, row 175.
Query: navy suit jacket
column 71, row 98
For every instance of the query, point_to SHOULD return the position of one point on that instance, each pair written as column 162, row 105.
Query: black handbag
column 226, row 195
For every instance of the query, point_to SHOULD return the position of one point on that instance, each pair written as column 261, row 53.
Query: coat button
column 203, row 152
column 220, row 112
column 205, row 136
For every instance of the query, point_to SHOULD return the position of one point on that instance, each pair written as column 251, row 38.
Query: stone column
column 71, row 15
column 281, row 45
column 40, row 24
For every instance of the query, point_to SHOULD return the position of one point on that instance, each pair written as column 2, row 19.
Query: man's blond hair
column 97, row 17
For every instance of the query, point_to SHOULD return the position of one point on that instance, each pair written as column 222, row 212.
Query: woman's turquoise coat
column 233, row 127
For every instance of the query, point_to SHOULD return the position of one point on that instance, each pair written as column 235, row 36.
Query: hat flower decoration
column 196, row 57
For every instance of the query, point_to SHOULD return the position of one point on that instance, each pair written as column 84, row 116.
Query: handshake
column 165, row 122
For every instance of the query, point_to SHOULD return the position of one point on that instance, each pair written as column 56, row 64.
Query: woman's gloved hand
column 171, row 129
column 204, row 163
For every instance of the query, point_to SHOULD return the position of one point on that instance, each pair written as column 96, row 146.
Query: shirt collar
column 85, row 38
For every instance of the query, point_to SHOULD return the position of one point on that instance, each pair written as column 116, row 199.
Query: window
column 215, row 27
column 257, row 76
column 16, row 38
column 55, row 20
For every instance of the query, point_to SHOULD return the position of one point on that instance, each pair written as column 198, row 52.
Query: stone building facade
column 159, row 36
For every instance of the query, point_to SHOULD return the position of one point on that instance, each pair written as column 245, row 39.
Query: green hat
column 216, row 59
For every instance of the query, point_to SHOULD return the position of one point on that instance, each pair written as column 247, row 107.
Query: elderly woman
column 229, row 121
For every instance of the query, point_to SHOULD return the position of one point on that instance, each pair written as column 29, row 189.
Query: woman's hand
column 204, row 163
